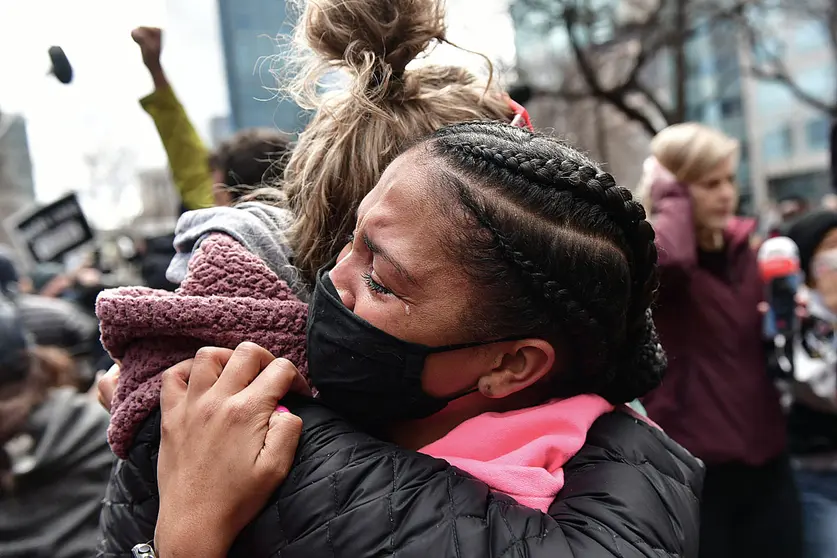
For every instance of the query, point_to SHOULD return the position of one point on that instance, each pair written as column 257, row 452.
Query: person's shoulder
column 37, row 307
column 633, row 441
column 77, row 410
column 341, row 478
column 643, row 470
column 53, row 306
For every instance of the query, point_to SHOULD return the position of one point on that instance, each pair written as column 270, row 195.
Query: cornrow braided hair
column 567, row 252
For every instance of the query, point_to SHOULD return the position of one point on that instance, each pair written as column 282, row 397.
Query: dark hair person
column 812, row 418
column 242, row 163
column 521, row 282
column 54, row 459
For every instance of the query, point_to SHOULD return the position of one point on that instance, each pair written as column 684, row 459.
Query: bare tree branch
column 770, row 66
column 653, row 21
column 780, row 75
column 651, row 98
column 613, row 71
column 615, row 96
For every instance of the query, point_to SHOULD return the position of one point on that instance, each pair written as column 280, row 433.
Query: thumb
column 277, row 455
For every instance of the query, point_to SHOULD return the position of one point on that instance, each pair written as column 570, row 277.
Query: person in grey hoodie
column 54, row 458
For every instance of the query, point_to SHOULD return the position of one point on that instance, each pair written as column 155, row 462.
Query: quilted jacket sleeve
column 129, row 512
column 631, row 492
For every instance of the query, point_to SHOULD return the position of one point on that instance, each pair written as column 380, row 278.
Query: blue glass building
column 715, row 94
column 249, row 31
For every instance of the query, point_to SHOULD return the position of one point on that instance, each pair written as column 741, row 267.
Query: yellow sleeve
column 188, row 157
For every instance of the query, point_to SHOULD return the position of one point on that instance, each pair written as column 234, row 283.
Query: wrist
column 158, row 76
column 188, row 537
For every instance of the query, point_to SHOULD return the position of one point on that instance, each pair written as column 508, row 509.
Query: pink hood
column 522, row 453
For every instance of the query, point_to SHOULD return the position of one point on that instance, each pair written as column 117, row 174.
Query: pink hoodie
column 521, row 453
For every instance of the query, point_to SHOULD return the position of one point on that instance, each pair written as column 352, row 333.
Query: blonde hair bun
column 363, row 122
column 373, row 35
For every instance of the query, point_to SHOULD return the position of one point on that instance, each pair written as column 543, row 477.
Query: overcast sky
column 99, row 111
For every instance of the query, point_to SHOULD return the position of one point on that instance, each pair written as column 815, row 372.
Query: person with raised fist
column 188, row 156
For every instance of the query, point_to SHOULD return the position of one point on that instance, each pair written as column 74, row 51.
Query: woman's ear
column 523, row 364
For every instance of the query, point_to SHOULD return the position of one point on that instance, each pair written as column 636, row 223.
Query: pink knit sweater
column 229, row 296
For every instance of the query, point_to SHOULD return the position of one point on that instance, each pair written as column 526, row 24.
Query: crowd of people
column 421, row 328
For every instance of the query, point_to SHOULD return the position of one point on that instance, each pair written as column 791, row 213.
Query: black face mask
column 366, row 374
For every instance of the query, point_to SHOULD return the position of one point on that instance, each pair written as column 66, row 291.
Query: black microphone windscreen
column 61, row 67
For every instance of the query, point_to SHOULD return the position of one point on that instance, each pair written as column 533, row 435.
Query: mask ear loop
column 521, row 115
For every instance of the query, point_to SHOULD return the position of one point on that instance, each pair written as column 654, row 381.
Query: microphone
column 778, row 260
column 61, row 67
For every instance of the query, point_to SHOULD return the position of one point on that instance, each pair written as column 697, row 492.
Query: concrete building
column 251, row 33
column 17, row 187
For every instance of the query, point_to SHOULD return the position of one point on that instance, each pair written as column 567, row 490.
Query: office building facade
column 716, row 95
column 252, row 34
column 790, row 138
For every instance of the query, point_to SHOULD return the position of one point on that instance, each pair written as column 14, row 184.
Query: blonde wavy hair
column 361, row 126
column 689, row 152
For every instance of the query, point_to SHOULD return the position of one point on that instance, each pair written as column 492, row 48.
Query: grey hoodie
column 260, row 228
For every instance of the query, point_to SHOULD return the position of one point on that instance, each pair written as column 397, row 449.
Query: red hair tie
column 521, row 115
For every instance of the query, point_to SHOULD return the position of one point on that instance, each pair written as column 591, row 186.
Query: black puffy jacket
column 630, row 492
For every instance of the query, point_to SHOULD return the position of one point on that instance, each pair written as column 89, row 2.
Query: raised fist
column 150, row 41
